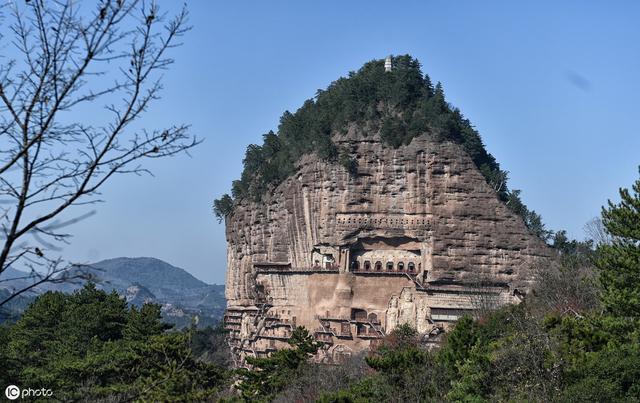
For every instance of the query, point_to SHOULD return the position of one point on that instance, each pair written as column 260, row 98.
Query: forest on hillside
column 400, row 105
column 576, row 337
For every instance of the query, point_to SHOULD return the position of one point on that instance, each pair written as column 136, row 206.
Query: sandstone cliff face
column 417, row 236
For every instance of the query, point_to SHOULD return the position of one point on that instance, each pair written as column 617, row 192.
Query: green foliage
column 402, row 104
column 349, row 163
column 458, row 345
column 472, row 383
column 403, row 336
column 210, row 345
column 395, row 362
column 90, row 345
column 610, row 375
column 371, row 389
column 222, row 207
column 404, row 372
column 143, row 323
column 591, row 333
column 468, row 353
column 270, row 375
column 8, row 365
column 168, row 371
column 619, row 262
column 602, row 356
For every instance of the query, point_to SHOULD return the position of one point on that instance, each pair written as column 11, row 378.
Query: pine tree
column 222, row 207
column 271, row 374
column 619, row 261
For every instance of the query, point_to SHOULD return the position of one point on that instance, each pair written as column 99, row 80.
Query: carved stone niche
column 408, row 308
column 324, row 257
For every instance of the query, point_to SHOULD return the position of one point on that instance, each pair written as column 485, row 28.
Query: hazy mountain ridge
column 140, row 280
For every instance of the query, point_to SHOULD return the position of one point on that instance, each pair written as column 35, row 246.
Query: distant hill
column 182, row 296
column 12, row 310
column 14, row 279
column 154, row 274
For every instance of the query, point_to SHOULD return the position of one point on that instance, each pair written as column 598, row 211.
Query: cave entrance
column 358, row 314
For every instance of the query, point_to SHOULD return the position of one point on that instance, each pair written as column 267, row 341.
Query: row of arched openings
column 377, row 266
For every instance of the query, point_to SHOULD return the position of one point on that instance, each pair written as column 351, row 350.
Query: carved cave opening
column 359, row 314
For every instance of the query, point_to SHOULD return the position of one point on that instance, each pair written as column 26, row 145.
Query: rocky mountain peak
column 401, row 226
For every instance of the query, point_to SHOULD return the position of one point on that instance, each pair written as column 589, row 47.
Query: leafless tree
column 498, row 180
column 520, row 368
column 596, row 232
column 567, row 287
column 73, row 81
column 314, row 379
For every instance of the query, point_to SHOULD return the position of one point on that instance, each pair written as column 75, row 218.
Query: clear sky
column 553, row 87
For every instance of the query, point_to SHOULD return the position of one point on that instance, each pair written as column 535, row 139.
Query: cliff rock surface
column 413, row 234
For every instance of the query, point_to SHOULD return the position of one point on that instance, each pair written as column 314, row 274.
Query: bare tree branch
column 65, row 59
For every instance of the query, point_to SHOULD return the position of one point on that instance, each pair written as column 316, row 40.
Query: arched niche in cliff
column 324, row 256
column 358, row 314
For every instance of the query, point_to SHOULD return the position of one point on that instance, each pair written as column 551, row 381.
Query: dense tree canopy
column 270, row 375
column 401, row 104
column 90, row 345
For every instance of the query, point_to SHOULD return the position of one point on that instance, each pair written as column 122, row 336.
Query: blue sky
column 553, row 88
